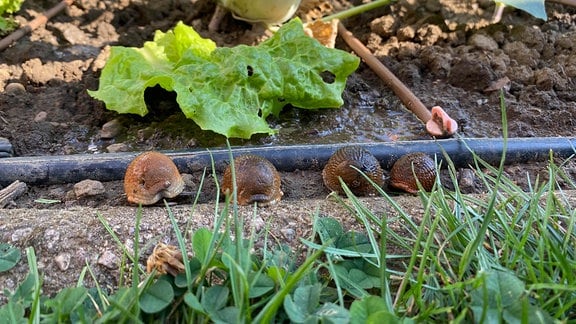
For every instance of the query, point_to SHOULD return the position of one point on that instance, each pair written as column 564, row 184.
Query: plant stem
column 357, row 10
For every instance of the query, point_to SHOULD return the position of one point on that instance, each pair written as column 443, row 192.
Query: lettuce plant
column 230, row 91
column 9, row 7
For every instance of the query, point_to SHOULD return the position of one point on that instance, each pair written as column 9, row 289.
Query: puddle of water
column 366, row 116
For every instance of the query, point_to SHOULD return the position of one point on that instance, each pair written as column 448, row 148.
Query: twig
column 357, row 10
column 37, row 22
column 13, row 191
column 406, row 96
column 446, row 125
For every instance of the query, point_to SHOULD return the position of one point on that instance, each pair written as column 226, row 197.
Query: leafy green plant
column 230, row 91
column 9, row 257
column 8, row 7
column 504, row 257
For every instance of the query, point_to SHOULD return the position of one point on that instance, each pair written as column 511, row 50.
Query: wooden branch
column 13, row 191
column 441, row 125
column 406, row 96
column 37, row 22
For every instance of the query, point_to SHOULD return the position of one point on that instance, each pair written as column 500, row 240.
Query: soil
column 448, row 52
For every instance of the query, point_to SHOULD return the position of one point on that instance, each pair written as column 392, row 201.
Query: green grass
column 505, row 256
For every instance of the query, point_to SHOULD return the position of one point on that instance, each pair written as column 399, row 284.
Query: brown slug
column 150, row 177
column 257, row 180
column 340, row 166
column 402, row 177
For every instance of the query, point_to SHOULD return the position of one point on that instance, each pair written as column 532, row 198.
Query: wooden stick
column 13, row 191
column 37, row 22
column 437, row 122
column 407, row 97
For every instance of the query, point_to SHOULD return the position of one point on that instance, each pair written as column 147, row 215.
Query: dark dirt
column 446, row 51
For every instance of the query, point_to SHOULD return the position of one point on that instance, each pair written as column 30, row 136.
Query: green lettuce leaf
column 230, row 91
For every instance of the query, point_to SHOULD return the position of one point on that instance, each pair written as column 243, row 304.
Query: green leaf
column 329, row 229
column 192, row 301
column 156, row 297
column 10, row 6
column 230, row 91
column 354, row 241
column 25, row 291
column 9, row 256
column 181, row 281
column 67, row 300
column 277, row 274
column 201, row 243
column 332, row 313
column 12, row 312
column 47, row 201
column 260, row 284
column 182, row 40
column 215, row 298
column 373, row 310
column 227, row 315
column 363, row 280
column 502, row 297
column 302, row 304
column 534, row 7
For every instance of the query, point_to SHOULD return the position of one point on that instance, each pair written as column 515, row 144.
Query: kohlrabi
column 267, row 11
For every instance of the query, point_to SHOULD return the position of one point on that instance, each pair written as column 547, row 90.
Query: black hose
column 111, row 166
column 5, row 148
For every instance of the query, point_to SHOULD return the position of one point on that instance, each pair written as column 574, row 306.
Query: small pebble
column 41, row 116
column 14, row 88
column 483, row 42
column 288, row 233
column 52, row 239
column 111, row 129
column 258, row 223
column 145, row 133
column 188, row 180
column 9, row 283
column 21, row 234
column 88, row 187
column 466, row 179
column 117, row 147
column 109, row 260
column 63, row 261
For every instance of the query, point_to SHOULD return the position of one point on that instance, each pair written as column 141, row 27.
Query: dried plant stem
column 407, row 97
column 13, row 191
column 37, row 22
column 357, row 10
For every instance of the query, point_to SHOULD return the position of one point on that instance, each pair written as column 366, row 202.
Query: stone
column 111, row 129
column 41, row 116
column 14, row 88
column 109, row 260
column 88, row 187
column 483, row 42
column 117, row 147
column 63, row 261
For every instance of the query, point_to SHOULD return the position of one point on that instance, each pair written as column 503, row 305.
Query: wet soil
column 446, row 51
